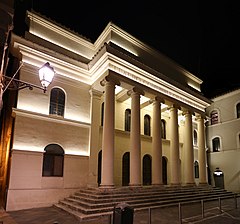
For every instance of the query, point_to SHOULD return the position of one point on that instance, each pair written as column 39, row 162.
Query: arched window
column 214, row 117
column 147, row 125
column 164, row 170
column 238, row 110
column 163, row 123
column 53, row 158
column 195, row 138
column 57, row 102
column 127, row 120
column 99, row 177
column 147, row 170
column 102, row 114
column 196, row 169
column 238, row 141
column 216, row 144
column 126, row 169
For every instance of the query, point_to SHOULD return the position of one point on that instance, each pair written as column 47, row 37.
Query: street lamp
column 46, row 74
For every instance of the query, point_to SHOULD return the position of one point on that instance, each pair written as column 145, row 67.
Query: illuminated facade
column 223, row 140
column 117, row 113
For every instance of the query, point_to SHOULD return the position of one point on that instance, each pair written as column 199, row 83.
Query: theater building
column 117, row 113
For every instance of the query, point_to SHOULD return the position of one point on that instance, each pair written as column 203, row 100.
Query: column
column 201, row 151
column 94, row 138
column 107, row 177
column 135, row 138
column 188, row 150
column 174, row 146
column 156, row 143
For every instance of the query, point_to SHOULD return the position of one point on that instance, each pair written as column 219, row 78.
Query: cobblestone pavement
column 225, row 211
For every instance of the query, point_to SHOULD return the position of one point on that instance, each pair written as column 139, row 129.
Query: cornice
column 108, row 61
column 56, row 28
column 113, row 28
column 144, row 78
column 49, row 118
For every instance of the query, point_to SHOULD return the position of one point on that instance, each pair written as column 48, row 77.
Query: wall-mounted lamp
column 46, row 74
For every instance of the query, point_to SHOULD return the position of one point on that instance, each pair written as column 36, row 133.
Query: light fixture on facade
column 218, row 172
column 46, row 74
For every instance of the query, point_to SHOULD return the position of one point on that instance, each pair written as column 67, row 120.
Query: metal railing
column 180, row 207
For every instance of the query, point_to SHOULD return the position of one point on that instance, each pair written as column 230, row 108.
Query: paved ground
column 203, row 213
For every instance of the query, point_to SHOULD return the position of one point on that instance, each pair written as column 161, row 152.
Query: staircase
column 90, row 203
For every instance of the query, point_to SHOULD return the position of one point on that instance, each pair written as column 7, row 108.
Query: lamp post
column 46, row 74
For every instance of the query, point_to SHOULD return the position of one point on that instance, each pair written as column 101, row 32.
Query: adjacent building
column 223, row 140
column 118, row 113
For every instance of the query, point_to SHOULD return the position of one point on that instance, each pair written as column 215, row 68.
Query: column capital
column 135, row 90
column 174, row 106
column 200, row 116
column 110, row 78
column 158, row 99
column 187, row 112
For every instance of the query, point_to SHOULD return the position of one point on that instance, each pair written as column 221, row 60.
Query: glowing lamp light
column 46, row 74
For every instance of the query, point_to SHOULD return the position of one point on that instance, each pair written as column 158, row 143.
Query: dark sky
column 201, row 36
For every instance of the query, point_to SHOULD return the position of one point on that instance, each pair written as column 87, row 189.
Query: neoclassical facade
column 118, row 113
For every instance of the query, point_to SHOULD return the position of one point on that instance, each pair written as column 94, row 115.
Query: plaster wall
column 29, row 189
column 228, row 162
column 77, row 96
column 35, row 134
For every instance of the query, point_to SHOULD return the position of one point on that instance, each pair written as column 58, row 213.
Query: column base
column 106, row 186
column 190, row 184
column 175, row 184
column 203, row 184
column 157, row 185
column 135, row 185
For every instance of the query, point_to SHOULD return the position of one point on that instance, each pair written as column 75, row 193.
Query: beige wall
column 228, row 129
column 77, row 95
column 27, row 187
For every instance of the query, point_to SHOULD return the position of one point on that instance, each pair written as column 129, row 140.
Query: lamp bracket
column 15, row 84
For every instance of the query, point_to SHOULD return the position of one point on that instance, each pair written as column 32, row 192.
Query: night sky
column 201, row 36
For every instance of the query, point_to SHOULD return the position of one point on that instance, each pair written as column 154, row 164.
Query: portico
column 180, row 161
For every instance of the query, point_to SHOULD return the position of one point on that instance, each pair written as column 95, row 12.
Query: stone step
column 81, row 215
column 157, row 196
column 136, row 200
column 95, row 195
column 88, row 203
column 125, row 190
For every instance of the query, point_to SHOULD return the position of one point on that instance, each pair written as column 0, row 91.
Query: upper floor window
column 57, row 102
column 195, row 138
column 238, row 110
column 53, row 161
column 214, row 117
column 127, row 120
column 216, row 144
column 147, row 125
column 238, row 145
column 163, row 131
column 102, row 114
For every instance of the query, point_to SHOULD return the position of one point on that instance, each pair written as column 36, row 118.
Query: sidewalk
column 190, row 213
column 5, row 218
